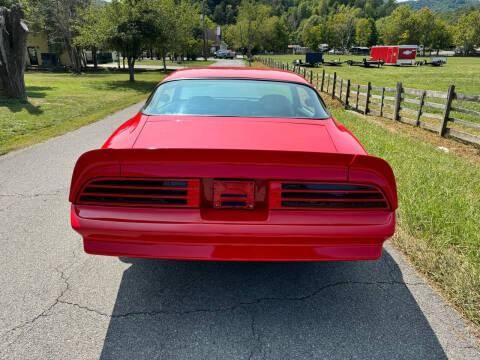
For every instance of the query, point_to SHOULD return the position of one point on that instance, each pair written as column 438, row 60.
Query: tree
column 58, row 19
column 275, row 34
column 13, row 48
column 247, row 33
column 467, row 31
column 133, row 29
column 313, row 36
column 366, row 32
column 92, row 29
column 188, row 29
column 165, row 27
column 399, row 28
column 342, row 27
column 441, row 37
column 424, row 21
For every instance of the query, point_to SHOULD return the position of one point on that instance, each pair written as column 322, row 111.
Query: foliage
column 249, row 31
column 176, row 27
column 313, row 36
column 422, row 27
column 342, row 27
column 93, row 27
column 366, row 32
column 442, row 5
column 275, row 34
column 398, row 27
column 467, row 31
column 58, row 19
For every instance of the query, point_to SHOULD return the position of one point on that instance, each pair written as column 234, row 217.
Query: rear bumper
column 186, row 234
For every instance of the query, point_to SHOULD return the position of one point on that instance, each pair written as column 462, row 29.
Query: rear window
column 236, row 98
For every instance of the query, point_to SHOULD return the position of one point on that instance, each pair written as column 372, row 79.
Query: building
column 39, row 54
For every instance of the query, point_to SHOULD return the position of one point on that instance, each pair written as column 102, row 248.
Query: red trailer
column 394, row 54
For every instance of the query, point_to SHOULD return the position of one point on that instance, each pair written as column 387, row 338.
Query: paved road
column 218, row 62
column 58, row 303
column 229, row 62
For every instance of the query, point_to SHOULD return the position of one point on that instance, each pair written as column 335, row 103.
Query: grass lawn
column 174, row 63
column 464, row 73
column 59, row 102
column 439, row 212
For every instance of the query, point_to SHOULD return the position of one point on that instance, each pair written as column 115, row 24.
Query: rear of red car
column 240, row 170
column 233, row 204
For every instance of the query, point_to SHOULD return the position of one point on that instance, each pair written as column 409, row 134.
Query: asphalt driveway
column 58, row 303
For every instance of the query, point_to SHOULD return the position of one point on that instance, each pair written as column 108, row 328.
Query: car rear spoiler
column 227, row 163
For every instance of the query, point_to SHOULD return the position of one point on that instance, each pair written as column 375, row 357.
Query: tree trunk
column 131, row 68
column 163, row 56
column 13, row 51
column 94, row 58
column 75, row 57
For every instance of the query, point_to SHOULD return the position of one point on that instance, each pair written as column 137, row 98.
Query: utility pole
column 204, row 29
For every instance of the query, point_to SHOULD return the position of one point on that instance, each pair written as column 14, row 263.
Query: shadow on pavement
column 205, row 310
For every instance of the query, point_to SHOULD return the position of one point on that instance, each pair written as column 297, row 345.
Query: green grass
column 196, row 63
column 439, row 211
column 462, row 72
column 59, row 102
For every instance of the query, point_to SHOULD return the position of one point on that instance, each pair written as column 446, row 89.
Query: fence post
column 382, row 101
column 311, row 77
column 318, row 77
column 287, row 66
column 305, row 72
column 358, row 94
column 367, row 100
column 347, row 93
column 420, row 107
column 341, row 89
column 398, row 100
column 334, row 84
column 448, row 106
column 323, row 79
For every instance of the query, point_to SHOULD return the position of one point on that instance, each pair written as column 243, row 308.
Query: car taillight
column 141, row 192
column 319, row 195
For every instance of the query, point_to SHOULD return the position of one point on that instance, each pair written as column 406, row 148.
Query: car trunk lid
column 194, row 132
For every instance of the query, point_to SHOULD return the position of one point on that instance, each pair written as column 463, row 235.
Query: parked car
column 225, row 54
column 237, row 165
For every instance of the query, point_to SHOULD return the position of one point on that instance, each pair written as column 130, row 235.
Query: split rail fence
column 447, row 113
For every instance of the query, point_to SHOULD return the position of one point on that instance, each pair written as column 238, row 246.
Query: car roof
column 237, row 73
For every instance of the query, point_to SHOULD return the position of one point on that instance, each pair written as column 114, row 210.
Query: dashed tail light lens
column 141, row 192
column 319, row 195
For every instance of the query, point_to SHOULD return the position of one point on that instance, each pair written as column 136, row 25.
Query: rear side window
column 235, row 98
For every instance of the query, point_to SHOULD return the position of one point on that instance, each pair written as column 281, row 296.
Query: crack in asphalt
column 226, row 308
column 257, row 345
column 65, row 280
column 257, row 339
column 46, row 312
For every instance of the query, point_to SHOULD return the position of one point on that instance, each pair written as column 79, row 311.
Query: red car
column 233, row 164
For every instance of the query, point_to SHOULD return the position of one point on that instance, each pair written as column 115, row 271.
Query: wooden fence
column 447, row 113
